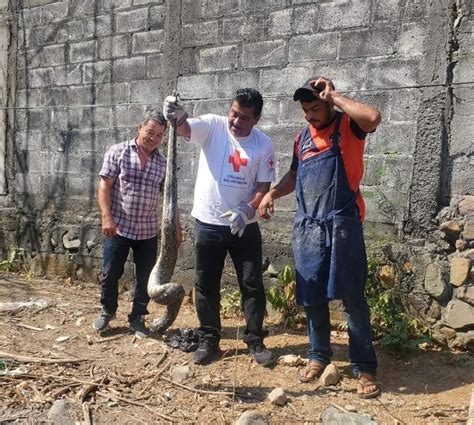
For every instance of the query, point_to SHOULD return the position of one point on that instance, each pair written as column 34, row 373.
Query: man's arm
column 284, row 187
column 104, row 196
column 184, row 130
column 366, row 117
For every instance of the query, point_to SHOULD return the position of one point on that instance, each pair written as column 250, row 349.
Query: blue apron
column 328, row 241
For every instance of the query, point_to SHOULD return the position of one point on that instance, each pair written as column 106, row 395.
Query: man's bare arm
column 284, row 187
column 104, row 196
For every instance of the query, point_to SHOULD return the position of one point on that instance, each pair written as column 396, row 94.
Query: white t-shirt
column 229, row 167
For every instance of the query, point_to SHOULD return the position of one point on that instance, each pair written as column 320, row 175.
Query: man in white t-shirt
column 236, row 167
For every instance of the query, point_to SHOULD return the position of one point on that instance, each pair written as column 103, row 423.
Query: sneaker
column 102, row 323
column 137, row 325
column 206, row 352
column 262, row 355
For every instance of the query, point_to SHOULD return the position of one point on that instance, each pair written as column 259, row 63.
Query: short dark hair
column 154, row 115
column 249, row 98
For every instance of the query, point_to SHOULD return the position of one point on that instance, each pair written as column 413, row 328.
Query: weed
column 231, row 304
column 283, row 298
column 14, row 261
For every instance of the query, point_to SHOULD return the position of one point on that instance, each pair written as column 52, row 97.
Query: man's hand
column 239, row 217
column 324, row 89
column 109, row 228
column 266, row 207
column 173, row 110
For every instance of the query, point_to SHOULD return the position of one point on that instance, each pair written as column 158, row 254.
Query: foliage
column 391, row 326
column 231, row 304
column 283, row 298
column 14, row 261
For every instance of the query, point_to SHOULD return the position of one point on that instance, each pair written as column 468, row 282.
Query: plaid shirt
column 135, row 191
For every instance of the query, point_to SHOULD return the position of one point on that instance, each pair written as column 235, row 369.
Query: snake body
column 160, row 289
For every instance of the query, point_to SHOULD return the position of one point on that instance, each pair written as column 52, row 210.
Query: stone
column 460, row 268
column 181, row 373
column 291, row 360
column 18, row 305
column 60, row 413
column 451, row 228
column 91, row 244
column 466, row 206
column 334, row 416
column 71, row 244
column 460, row 245
column 468, row 231
column 278, row 397
column 54, row 243
column 271, row 271
column 465, row 293
column 330, row 376
column 387, row 275
column 458, row 315
column 434, row 282
column 442, row 335
column 469, row 254
column 251, row 417
column 463, row 341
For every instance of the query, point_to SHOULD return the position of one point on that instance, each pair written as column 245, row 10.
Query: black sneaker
column 206, row 352
column 137, row 325
column 102, row 323
column 262, row 355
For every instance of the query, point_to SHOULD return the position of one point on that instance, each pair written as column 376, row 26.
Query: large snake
column 160, row 289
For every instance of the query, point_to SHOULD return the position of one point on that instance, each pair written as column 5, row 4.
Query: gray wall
column 123, row 56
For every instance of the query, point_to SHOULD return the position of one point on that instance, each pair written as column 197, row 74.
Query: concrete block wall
column 85, row 71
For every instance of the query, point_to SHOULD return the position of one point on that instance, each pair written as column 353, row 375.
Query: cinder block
column 154, row 65
column 67, row 75
column 129, row 116
column 344, row 15
column 33, row 3
column 283, row 137
column 141, row 2
column 228, row 83
column 404, row 105
column 398, row 172
column 97, row 72
column 249, row 29
column 80, row 8
column 199, row 34
column 49, row 34
column 146, row 91
column 81, row 95
column 96, row 117
column 212, row 9
column 380, row 100
column 278, row 82
column 393, row 73
column 191, row 11
column 74, row 30
column 310, row 48
column 30, row 98
column 63, row 120
column 113, row 93
column 345, row 74
column 305, row 19
column 463, row 69
column 112, row 5
column 374, row 170
column 132, row 20
column 270, row 112
column 392, row 139
column 265, row 53
column 218, row 59
column 197, row 86
column 55, row 96
column 370, row 42
column 414, row 10
column 54, row 55
column 384, row 205
column 280, row 23
column 412, row 39
column 98, row 26
column 83, row 51
column 148, row 42
column 114, row 47
column 129, row 69
column 265, row 6
column 188, row 60
column 30, row 18
column 387, row 10
column 54, row 12
column 218, row 107
column 291, row 112
column 462, row 181
column 157, row 17
column 42, row 77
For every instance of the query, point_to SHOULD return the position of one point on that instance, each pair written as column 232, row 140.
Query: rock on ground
column 278, row 397
column 333, row 416
column 330, row 376
column 251, row 417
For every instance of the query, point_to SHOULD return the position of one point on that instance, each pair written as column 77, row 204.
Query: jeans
column 115, row 255
column 212, row 243
column 361, row 350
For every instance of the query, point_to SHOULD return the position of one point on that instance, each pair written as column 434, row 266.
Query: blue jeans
column 212, row 243
column 115, row 255
column 361, row 350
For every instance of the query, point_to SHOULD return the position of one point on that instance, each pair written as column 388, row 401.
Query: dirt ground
column 115, row 378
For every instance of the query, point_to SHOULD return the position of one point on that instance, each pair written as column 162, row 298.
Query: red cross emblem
column 237, row 161
column 270, row 162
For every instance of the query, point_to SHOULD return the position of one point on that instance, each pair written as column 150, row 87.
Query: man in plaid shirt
column 131, row 180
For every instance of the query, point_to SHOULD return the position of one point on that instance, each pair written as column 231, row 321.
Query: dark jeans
column 115, row 255
column 212, row 243
column 361, row 350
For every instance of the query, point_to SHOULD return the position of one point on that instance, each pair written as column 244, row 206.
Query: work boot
column 102, row 323
column 206, row 352
column 137, row 325
column 262, row 355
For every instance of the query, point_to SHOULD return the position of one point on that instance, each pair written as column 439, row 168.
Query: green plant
column 230, row 304
column 283, row 298
column 391, row 326
column 14, row 261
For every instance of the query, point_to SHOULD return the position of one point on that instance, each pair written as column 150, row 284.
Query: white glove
column 239, row 217
column 173, row 110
